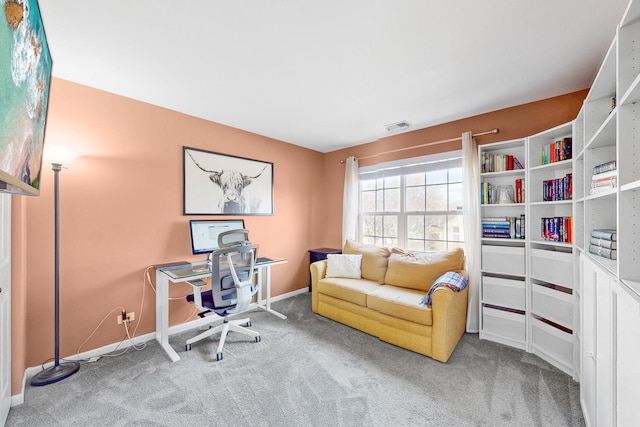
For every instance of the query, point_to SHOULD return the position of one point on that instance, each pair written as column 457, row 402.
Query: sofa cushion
column 374, row 259
column 401, row 303
column 344, row 265
column 418, row 270
column 352, row 290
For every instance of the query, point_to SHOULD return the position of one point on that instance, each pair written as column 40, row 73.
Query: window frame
column 403, row 168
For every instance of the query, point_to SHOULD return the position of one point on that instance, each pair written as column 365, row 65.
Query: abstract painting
column 220, row 184
column 25, row 78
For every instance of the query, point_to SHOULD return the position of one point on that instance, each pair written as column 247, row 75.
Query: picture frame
column 25, row 80
column 223, row 184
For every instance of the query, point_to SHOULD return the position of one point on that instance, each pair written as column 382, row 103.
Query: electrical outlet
column 130, row 317
column 119, row 319
column 126, row 317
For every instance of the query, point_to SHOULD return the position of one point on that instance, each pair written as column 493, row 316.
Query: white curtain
column 472, row 234
column 350, row 201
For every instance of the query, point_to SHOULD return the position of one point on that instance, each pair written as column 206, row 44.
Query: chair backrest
column 232, row 272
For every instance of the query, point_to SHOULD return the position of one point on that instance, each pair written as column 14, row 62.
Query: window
column 414, row 204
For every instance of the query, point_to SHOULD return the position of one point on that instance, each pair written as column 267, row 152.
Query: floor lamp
column 57, row 156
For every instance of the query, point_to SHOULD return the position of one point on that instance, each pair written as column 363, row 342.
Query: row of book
column 557, row 229
column 558, row 189
column 603, row 181
column 604, row 243
column 504, row 227
column 557, row 151
column 499, row 162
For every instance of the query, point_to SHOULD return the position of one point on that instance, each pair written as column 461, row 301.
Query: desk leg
column 162, row 315
column 267, row 305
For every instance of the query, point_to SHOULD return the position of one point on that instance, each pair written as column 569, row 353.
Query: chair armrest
column 449, row 310
column 318, row 271
column 197, row 286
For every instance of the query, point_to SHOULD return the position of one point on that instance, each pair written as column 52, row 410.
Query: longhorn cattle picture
column 219, row 184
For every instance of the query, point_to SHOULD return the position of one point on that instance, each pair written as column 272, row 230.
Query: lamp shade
column 56, row 154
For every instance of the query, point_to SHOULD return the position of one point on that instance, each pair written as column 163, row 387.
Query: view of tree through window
column 416, row 207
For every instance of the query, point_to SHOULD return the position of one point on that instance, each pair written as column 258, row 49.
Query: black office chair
column 232, row 288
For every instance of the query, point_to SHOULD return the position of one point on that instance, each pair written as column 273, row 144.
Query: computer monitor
column 204, row 233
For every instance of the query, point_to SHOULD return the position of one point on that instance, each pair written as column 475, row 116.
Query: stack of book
column 557, row 151
column 503, row 227
column 557, row 229
column 558, row 189
column 499, row 162
column 604, row 243
column 605, row 177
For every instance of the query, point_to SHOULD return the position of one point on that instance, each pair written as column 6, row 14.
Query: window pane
column 369, row 184
column 392, row 200
column 455, row 197
column 415, row 227
column 437, row 197
column 391, row 226
column 456, row 229
column 436, row 227
column 437, row 177
column 436, row 246
column 380, row 201
column 392, row 182
column 455, row 175
column 415, row 199
column 368, row 201
column 416, row 179
column 368, row 225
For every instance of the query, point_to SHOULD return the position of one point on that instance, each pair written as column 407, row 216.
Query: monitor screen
column 204, row 233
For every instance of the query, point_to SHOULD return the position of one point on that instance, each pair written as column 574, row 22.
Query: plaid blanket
column 449, row 279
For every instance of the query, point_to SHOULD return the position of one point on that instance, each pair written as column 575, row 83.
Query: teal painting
column 25, row 78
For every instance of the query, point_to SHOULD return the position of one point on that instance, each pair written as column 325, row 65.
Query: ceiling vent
column 394, row 127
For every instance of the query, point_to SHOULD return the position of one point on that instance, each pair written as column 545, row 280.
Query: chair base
column 227, row 326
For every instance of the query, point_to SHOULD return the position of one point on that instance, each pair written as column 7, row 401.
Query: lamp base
column 55, row 373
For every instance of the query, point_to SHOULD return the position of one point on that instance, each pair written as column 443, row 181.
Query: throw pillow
column 347, row 266
column 451, row 280
column 374, row 259
column 419, row 270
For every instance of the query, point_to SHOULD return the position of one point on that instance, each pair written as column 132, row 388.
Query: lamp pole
column 59, row 371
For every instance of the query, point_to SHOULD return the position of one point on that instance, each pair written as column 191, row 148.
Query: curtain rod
column 492, row 131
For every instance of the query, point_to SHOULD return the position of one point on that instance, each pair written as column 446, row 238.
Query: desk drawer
column 503, row 259
column 503, row 292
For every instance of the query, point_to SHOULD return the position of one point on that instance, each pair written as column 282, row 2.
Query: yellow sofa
column 385, row 301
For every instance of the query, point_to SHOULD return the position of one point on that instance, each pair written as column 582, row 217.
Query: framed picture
column 220, row 184
column 25, row 78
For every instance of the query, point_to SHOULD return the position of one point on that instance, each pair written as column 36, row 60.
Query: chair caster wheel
column 258, row 339
column 219, row 357
column 187, row 347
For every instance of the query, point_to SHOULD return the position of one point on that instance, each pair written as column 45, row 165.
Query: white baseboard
column 18, row 399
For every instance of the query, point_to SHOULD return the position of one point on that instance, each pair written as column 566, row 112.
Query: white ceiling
column 330, row 74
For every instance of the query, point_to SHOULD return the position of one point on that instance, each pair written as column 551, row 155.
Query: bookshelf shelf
column 610, row 288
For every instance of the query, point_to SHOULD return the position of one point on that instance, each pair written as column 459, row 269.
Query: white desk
column 199, row 270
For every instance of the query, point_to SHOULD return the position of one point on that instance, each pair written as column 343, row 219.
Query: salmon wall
column 515, row 122
column 121, row 211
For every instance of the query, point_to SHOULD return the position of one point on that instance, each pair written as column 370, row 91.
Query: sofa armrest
column 318, row 271
column 449, row 310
